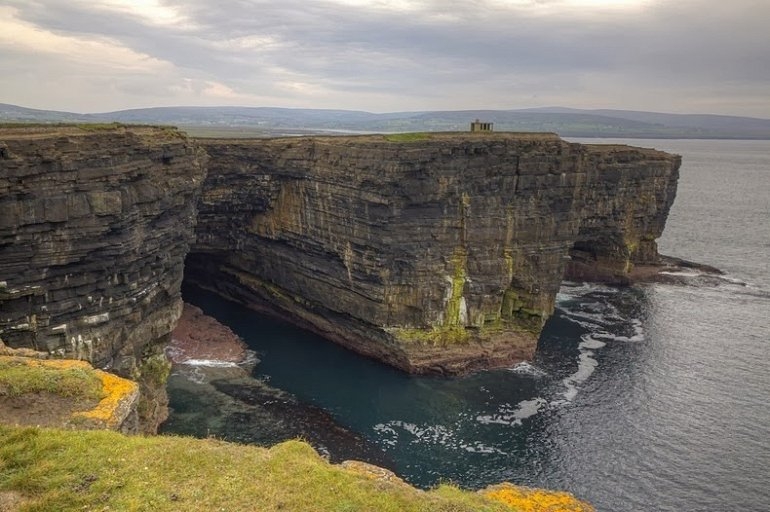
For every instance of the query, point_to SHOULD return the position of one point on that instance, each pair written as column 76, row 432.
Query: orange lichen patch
column 527, row 499
column 77, row 380
column 120, row 394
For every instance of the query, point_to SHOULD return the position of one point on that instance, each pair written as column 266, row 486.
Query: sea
column 654, row 397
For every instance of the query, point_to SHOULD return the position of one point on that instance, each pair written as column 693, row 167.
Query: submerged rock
column 198, row 337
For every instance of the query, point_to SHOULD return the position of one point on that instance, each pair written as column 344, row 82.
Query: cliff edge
column 47, row 469
column 65, row 393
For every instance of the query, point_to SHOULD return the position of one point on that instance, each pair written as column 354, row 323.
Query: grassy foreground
column 50, row 469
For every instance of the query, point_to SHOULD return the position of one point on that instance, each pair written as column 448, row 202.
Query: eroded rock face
column 94, row 229
column 441, row 253
column 435, row 255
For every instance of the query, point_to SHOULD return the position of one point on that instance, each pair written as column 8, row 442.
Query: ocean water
column 649, row 398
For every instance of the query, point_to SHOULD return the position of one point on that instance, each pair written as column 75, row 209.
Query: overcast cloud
column 682, row 56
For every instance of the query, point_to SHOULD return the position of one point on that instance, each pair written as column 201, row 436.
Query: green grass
column 95, row 127
column 407, row 137
column 18, row 378
column 101, row 470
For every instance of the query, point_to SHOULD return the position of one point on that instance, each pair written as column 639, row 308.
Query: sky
column 681, row 56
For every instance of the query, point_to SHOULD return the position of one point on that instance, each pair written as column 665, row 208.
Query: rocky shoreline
column 199, row 337
column 666, row 270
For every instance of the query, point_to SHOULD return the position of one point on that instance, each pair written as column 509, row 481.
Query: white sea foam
column 571, row 290
column 508, row 415
column 481, row 448
column 431, row 434
column 733, row 280
column 193, row 373
column 212, row 363
column 683, row 273
column 601, row 314
column 390, row 433
column 590, row 343
column 251, row 359
column 586, row 367
column 525, row 368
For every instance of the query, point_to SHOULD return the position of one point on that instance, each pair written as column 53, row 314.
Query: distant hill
column 567, row 122
column 13, row 113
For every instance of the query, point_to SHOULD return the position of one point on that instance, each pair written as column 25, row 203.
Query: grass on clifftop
column 407, row 137
column 19, row 377
column 47, row 469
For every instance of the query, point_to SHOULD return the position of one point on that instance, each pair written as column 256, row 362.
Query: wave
column 529, row 369
column 211, row 363
column 570, row 290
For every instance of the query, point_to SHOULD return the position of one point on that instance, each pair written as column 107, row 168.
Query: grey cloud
column 446, row 48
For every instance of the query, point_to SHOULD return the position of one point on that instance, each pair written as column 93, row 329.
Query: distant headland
column 270, row 121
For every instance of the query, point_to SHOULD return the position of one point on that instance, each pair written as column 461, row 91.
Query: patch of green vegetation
column 101, row 470
column 459, row 262
column 19, row 378
column 96, row 127
column 433, row 336
column 407, row 137
column 154, row 370
column 514, row 311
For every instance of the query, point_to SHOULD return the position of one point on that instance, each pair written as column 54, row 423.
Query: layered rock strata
column 94, row 229
column 436, row 253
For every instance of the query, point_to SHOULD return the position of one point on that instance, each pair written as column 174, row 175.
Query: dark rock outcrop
column 439, row 254
column 94, row 229
column 434, row 253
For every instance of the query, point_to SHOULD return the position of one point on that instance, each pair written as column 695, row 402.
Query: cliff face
column 436, row 254
column 94, row 230
column 628, row 196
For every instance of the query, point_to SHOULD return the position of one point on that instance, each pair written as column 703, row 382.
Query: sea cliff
column 436, row 253
column 95, row 225
column 432, row 252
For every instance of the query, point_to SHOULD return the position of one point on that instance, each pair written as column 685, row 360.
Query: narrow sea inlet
column 644, row 398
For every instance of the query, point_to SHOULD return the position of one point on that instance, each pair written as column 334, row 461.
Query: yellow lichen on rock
column 70, row 384
column 120, row 396
column 527, row 499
